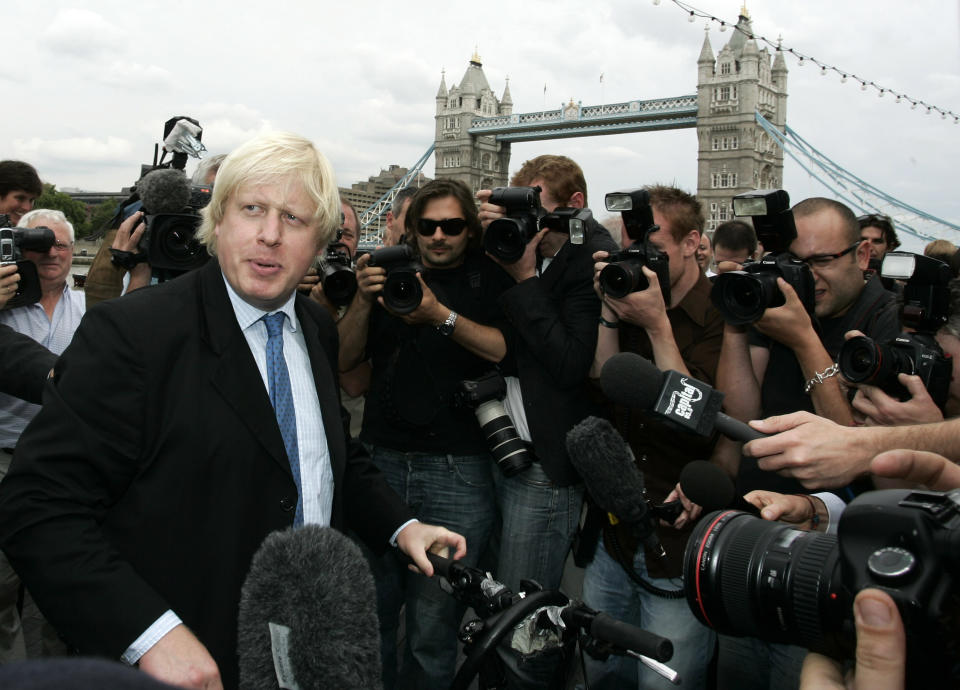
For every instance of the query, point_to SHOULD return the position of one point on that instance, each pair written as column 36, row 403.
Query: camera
column 485, row 396
column 570, row 221
column 623, row 273
column 926, row 307
column 742, row 296
column 506, row 238
column 401, row 290
column 13, row 242
column 337, row 275
column 747, row 576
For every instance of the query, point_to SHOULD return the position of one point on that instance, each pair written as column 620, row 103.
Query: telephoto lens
column 505, row 444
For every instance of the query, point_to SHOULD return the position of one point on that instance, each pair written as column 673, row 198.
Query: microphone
column 164, row 191
column 629, row 379
column 711, row 488
column 308, row 614
column 607, row 466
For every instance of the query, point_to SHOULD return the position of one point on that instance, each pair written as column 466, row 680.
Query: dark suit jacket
column 554, row 336
column 24, row 365
column 156, row 468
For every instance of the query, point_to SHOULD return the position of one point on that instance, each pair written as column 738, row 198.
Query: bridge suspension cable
column 370, row 216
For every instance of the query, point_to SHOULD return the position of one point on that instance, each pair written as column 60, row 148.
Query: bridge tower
column 479, row 161
column 735, row 154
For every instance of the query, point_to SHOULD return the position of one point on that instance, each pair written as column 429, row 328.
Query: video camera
column 742, row 296
column 507, row 238
column 13, row 242
column 623, row 274
column 485, row 397
column 747, row 576
column 926, row 307
column 401, row 290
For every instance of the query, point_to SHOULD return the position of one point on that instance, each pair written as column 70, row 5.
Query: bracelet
column 821, row 376
column 609, row 324
column 815, row 518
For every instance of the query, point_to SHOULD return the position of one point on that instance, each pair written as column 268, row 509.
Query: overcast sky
column 89, row 84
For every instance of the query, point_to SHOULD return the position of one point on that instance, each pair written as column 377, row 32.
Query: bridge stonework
column 474, row 128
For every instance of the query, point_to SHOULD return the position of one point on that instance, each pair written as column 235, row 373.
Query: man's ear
column 690, row 243
column 863, row 254
column 575, row 200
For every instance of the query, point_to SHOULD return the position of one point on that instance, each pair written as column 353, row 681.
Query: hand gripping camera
column 926, row 307
column 623, row 274
column 401, row 291
column 507, row 238
column 742, row 296
column 337, row 275
column 747, row 576
column 13, row 241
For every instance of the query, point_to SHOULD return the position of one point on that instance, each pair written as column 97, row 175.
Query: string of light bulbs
column 692, row 14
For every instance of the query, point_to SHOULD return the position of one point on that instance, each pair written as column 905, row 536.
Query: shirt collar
column 247, row 314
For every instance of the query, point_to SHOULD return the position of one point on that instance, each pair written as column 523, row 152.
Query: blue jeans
column 607, row 588
column 458, row 493
column 746, row 663
column 538, row 521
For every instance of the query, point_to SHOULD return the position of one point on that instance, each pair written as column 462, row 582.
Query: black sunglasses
column 451, row 227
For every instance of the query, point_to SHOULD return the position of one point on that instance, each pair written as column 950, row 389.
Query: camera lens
column 742, row 297
column 621, row 278
column 339, row 284
column 173, row 243
column 401, row 290
column 747, row 576
column 862, row 360
column 505, row 444
column 505, row 239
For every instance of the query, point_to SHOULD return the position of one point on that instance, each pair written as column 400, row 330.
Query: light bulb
column 723, row 26
column 691, row 18
column 843, row 78
column 823, row 71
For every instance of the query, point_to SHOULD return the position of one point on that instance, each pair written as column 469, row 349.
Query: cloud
column 82, row 33
column 74, row 149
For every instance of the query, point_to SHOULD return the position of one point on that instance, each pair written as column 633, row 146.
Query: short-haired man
column 683, row 335
column 19, row 186
column 786, row 364
column 432, row 450
column 187, row 422
column 396, row 216
column 879, row 231
column 705, row 255
column 51, row 322
column 553, row 310
column 733, row 243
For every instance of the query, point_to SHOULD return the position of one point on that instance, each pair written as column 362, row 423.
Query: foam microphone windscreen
column 308, row 614
column 607, row 466
column 164, row 191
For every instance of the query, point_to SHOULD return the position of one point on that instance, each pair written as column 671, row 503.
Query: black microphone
column 711, row 488
column 308, row 614
column 607, row 466
column 164, row 191
column 631, row 380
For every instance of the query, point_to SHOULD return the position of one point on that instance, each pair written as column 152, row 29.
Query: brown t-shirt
column 662, row 451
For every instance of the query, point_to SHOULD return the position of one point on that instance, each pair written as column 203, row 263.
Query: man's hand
column 526, row 266
column 129, row 233
column 9, row 278
column 881, row 650
column 918, row 467
column 691, row 511
column 370, row 279
column 644, row 308
column 599, row 263
column 308, row 281
column 788, row 508
column 417, row 538
column 880, row 409
column 784, row 323
column 180, row 659
column 488, row 212
column 811, row 449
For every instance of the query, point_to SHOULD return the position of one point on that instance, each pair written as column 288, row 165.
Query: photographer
column 553, row 310
column 683, row 335
column 432, row 452
column 733, row 243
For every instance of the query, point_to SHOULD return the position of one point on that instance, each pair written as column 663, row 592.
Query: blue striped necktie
column 281, row 398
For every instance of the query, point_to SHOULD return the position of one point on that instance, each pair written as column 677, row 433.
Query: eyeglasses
column 63, row 247
column 451, row 227
column 824, row 260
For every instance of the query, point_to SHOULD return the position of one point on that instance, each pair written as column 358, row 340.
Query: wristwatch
column 446, row 328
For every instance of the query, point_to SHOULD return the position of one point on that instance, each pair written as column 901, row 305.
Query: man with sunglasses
column 431, row 449
column 787, row 363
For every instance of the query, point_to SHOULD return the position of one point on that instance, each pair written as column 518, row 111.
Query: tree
column 100, row 217
column 75, row 211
